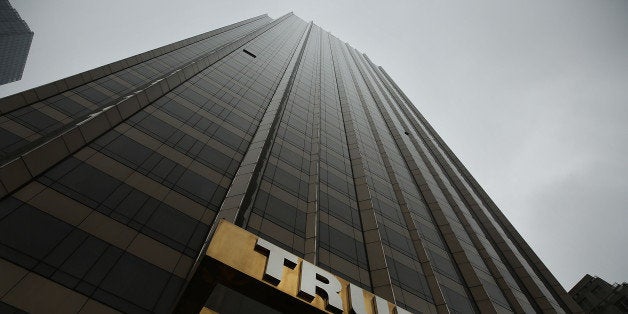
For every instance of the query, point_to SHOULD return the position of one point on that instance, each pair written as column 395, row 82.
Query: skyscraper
column 15, row 42
column 264, row 166
column 595, row 295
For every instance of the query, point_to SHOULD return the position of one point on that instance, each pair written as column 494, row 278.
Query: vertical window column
column 462, row 252
column 407, row 274
column 380, row 279
column 311, row 218
column 497, row 269
column 241, row 191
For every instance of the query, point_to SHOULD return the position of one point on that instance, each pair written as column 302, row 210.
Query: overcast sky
column 532, row 96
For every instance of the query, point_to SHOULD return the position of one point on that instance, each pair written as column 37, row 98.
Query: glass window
column 335, row 207
column 27, row 235
column 337, row 242
column 456, row 301
column 177, row 110
column 66, row 105
column 196, row 187
column 237, row 121
column 175, row 225
column 91, row 94
column 153, row 126
column 409, row 279
column 193, row 97
column 33, row 119
column 398, row 241
column 134, row 279
column 229, row 138
column 216, row 160
column 494, row 292
column 8, row 141
column 112, row 85
column 86, row 184
column 133, row 79
column 127, row 151
column 79, row 263
column 443, row 265
column 429, row 234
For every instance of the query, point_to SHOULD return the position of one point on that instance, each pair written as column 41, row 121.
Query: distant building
column 15, row 42
column 595, row 295
column 263, row 167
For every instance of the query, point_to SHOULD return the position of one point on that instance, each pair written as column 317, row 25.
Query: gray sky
column 532, row 96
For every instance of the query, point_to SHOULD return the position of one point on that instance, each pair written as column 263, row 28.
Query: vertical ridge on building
column 118, row 185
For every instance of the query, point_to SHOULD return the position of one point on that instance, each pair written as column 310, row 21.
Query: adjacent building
column 595, row 295
column 15, row 42
column 265, row 167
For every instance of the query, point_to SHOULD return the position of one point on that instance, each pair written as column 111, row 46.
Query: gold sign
column 281, row 270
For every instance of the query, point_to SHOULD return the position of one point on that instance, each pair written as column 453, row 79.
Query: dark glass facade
column 15, row 42
column 595, row 295
column 114, row 179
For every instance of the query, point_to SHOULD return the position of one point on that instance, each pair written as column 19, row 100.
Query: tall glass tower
column 262, row 167
column 15, row 42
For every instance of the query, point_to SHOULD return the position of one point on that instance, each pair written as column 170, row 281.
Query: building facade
column 265, row 166
column 15, row 43
column 595, row 295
